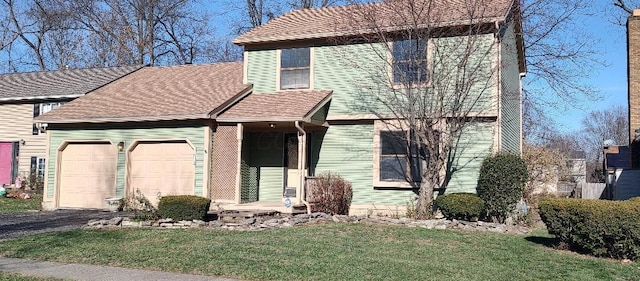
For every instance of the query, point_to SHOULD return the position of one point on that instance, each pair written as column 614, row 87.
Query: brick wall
column 633, row 33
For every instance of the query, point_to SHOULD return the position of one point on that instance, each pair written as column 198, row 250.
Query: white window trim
column 379, row 126
column 393, row 125
column 41, row 111
column 430, row 60
column 311, row 70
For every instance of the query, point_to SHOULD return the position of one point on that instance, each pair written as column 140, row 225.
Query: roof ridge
column 71, row 69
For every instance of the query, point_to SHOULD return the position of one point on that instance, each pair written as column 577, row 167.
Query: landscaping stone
column 255, row 221
column 115, row 221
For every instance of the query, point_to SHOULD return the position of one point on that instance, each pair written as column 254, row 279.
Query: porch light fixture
column 272, row 125
column 22, row 142
column 121, row 146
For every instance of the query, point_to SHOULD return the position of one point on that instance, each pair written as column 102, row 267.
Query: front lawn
column 6, row 276
column 324, row 252
column 12, row 205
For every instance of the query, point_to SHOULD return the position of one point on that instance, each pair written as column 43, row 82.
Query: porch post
column 302, row 162
column 239, row 137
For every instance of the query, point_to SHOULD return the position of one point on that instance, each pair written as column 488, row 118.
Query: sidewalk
column 92, row 272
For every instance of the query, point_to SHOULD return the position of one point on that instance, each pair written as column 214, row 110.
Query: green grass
column 325, row 252
column 5, row 276
column 12, row 205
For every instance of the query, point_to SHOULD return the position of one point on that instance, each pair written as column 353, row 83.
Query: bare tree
column 435, row 89
column 560, row 57
column 142, row 31
column 622, row 9
column 600, row 125
column 31, row 23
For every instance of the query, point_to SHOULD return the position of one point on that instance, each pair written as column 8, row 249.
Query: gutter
column 301, row 162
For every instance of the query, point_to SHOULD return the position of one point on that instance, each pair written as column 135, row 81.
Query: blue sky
column 610, row 79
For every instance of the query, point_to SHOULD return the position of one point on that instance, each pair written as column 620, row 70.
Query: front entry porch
column 275, row 161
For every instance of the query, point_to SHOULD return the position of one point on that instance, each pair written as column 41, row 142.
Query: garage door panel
column 87, row 175
column 162, row 167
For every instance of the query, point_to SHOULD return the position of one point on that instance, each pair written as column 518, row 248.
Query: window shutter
column 34, row 165
column 36, row 113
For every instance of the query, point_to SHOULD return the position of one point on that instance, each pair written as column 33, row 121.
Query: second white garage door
column 161, row 168
column 87, row 175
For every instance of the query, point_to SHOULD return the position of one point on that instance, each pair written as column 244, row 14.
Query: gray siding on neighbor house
column 511, row 96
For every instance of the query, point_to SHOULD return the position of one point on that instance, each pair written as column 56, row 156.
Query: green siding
column 348, row 151
column 358, row 75
column 350, row 71
column 263, row 157
column 474, row 145
column 510, row 100
column 195, row 134
column 262, row 66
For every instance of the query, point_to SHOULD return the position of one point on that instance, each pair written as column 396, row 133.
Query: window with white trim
column 37, row 166
column 393, row 156
column 410, row 61
column 295, row 68
column 42, row 108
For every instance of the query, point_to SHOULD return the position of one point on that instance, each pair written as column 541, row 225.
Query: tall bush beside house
column 183, row 207
column 331, row 194
column 501, row 183
column 598, row 227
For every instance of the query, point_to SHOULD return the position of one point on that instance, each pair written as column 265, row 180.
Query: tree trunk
column 424, row 207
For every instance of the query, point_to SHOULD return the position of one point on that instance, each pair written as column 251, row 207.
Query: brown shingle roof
column 358, row 19
column 158, row 93
column 279, row 106
column 70, row 83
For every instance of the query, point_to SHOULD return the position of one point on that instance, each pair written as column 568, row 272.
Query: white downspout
column 302, row 160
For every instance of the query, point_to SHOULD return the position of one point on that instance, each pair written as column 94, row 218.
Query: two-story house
column 250, row 135
column 24, row 96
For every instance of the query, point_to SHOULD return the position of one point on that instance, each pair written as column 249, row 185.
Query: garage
column 87, row 175
column 161, row 168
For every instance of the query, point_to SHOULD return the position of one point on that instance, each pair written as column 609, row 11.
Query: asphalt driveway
column 14, row 225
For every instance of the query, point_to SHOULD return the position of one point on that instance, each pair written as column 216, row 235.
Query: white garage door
column 162, row 168
column 87, row 175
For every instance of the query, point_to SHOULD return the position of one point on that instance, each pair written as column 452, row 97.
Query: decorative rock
column 115, row 221
column 248, row 221
column 95, row 222
column 261, row 222
column 130, row 223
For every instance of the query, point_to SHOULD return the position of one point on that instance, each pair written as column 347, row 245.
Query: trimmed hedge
column 183, row 207
column 598, row 227
column 461, row 206
column 501, row 183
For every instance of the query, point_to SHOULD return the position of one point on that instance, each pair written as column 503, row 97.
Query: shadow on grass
column 550, row 242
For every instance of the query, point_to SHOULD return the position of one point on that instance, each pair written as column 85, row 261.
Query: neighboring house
column 251, row 135
column 24, row 96
column 622, row 163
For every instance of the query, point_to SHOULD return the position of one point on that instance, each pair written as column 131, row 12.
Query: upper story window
column 295, row 68
column 410, row 61
column 42, row 108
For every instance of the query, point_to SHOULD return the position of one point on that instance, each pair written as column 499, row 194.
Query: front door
column 292, row 174
column 6, row 162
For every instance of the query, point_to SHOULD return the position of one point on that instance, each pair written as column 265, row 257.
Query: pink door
column 6, row 152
